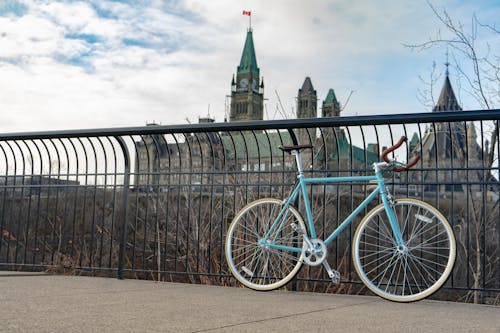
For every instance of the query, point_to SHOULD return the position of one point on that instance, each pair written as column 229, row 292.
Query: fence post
column 125, row 195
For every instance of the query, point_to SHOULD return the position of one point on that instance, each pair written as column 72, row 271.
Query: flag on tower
column 247, row 12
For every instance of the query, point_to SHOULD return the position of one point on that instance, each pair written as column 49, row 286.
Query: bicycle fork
column 388, row 201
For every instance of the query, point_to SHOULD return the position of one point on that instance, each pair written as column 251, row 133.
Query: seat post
column 298, row 160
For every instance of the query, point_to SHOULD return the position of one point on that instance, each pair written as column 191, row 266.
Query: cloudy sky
column 102, row 63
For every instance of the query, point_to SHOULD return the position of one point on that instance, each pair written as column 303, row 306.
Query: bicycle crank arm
column 333, row 274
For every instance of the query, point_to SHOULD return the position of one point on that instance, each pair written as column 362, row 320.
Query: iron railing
column 155, row 201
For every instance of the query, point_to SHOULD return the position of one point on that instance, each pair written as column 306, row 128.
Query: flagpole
column 249, row 13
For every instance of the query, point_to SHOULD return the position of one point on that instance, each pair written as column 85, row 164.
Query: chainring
column 316, row 255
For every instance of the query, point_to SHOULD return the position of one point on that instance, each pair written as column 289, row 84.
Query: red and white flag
column 247, row 12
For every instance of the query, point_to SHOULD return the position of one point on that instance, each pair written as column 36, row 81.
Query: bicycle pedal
column 333, row 274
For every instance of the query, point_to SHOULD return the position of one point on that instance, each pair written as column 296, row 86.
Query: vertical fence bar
column 125, row 195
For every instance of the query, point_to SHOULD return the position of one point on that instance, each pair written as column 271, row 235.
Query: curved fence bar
column 155, row 202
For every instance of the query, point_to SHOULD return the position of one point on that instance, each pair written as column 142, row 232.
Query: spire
column 248, row 61
column 306, row 100
column 307, row 86
column 331, row 99
column 414, row 139
column 447, row 100
column 331, row 106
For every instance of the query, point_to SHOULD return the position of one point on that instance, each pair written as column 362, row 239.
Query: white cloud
column 73, row 64
column 73, row 16
column 27, row 36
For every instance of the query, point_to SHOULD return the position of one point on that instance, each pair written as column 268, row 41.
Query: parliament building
column 199, row 159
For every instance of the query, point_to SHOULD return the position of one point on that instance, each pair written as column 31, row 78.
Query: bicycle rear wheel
column 251, row 260
column 411, row 272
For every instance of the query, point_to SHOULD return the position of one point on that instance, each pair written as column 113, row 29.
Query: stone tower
column 331, row 107
column 307, row 108
column 328, row 144
column 448, row 147
column 247, row 89
column 307, row 100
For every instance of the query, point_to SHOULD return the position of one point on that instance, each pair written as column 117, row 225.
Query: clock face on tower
column 244, row 83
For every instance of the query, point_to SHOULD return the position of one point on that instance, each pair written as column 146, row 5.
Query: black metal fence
column 155, row 202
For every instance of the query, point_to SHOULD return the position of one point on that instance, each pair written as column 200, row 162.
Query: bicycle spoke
column 374, row 253
column 414, row 270
column 250, row 256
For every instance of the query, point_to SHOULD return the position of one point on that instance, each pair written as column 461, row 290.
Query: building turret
column 447, row 100
column 331, row 106
column 307, row 100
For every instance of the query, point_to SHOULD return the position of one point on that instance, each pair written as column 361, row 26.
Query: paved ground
column 44, row 303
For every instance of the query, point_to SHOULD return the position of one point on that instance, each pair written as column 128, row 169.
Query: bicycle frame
column 301, row 189
column 396, row 269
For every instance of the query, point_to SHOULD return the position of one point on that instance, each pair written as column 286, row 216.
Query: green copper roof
column 331, row 99
column 262, row 145
column 248, row 61
column 359, row 155
column 255, row 145
column 414, row 140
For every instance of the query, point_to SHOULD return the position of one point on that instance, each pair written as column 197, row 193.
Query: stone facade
column 166, row 162
column 451, row 157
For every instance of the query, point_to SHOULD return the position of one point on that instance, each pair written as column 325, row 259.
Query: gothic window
column 240, row 108
column 461, row 142
column 447, row 146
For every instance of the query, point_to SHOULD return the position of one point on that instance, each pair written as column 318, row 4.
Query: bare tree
column 474, row 57
column 473, row 52
column 426, row 95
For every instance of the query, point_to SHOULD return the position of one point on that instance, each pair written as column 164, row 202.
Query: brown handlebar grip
column 398, row 144
column 393, row 148
column 410, row 164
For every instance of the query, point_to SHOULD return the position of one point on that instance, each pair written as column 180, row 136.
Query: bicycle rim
column 254, row 264
column 418, row 269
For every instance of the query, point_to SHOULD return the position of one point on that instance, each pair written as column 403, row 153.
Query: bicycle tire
column 258, row 266
column 411, row 273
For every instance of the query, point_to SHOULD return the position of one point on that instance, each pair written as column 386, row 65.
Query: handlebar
column 398, row 144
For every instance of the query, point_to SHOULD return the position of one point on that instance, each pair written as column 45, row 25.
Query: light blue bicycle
column 403, row 249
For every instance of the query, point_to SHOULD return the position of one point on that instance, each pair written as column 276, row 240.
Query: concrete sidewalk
column 46, row 303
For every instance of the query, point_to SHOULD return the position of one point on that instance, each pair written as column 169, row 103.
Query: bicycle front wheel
column 252, row 259
column 410, row 272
